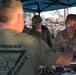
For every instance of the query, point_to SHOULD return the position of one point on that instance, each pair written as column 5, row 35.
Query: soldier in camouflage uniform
column 67, row 38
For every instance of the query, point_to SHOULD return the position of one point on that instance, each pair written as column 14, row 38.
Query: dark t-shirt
column 45, row 34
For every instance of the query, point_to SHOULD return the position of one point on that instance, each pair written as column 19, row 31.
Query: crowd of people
column 21, row 52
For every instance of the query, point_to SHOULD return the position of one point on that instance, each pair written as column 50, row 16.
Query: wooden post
column 65, row 13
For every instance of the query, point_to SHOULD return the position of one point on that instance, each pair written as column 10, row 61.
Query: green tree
column 58, row 13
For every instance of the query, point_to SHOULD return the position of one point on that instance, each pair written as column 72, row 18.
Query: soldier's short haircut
column 70, row 17
column 8, row 8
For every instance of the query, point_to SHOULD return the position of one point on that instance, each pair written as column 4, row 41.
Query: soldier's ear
column 19, row 18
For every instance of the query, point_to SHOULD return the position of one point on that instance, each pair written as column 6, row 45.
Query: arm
column 50, row 57
column 65, row 58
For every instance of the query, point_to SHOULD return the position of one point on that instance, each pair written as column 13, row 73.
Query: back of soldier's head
column 8, row 9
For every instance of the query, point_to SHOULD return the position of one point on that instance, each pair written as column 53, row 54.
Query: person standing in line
column 20, row 53
column 62, row 27
column 40, row 30
column 55, row 31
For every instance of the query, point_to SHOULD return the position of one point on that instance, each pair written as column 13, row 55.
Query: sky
column 72, row 10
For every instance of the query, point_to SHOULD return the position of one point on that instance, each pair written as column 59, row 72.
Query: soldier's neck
column 71, row 34
column 39, row 29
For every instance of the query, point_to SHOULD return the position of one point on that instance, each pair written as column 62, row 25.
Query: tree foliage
column 57, row 12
